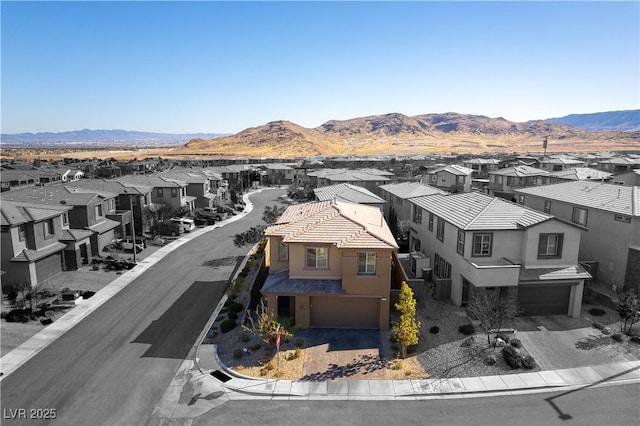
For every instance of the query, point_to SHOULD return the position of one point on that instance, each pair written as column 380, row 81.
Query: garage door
column 344, row 312
column 49, row 266
column 544, row 300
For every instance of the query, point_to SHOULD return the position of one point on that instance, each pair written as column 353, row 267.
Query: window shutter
column 542, row 245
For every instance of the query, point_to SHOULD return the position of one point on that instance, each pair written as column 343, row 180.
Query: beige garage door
column 344, row 312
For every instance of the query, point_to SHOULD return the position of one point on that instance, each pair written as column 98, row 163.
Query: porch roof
column 576, row 272
column 280, row 283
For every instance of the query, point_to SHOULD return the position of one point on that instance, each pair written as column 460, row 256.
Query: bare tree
column 492, row 311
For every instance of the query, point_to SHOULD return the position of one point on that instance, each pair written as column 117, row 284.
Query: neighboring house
column 610, row 217
column 503, row 182
column 475, row 242
column 31, row 247
column 331, row 264
column 452, row 178
column 366, row 178
column 16, row 179
column 198, row 186
column 482, row 166
column 631, row 178
column 619, row 164
column 349, row 193
column 169, row 193
column 397, row 197
column 559, row 163
column 578, row 173
column 279, row 174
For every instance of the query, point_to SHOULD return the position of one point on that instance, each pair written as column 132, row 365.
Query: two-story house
column 619, row 164
column 610, row 217
column 349, row 193
column 331, row 264
column 482, row 166
column 169, row 193
column 31, row 250
column 578, row 173
column 452, row 178
column 503, row 182
column 198, row 186
column 476, row 242
column 397, row 197
column 558, row 163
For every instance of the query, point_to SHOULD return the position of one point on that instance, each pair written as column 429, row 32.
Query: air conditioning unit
column 419, row 261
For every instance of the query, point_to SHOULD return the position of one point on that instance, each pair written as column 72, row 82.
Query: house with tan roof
column 331, row 264
column 349, row 193
column 610, row 219
column 478, row 243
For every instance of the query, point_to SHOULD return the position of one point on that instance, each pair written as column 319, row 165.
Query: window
column 21, row 232
column 521, row 199
column 511, row 181
column 550, row 245
column 482, row 245
column 317, row 257
column 499, row 179
column 174, row 192
column 366, row 263
column 431, row 222
column 460, row 247
column 579, row 216
column 460, row 179
column 98, row 210
column 65, row 219
column 434, row 178
column 283, row 251
column 440, row 230
column 547, row 206
column 441, row 268
column 117, row 201
column 417, row 214
column 160, row 192
column 623, row 218
column 48, row 227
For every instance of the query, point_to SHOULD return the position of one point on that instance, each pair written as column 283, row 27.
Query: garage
column 540, row 300
column 344, row 312
column 48, row 266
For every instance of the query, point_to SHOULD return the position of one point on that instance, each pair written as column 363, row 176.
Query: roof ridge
column 495, row 199
column 321, row 219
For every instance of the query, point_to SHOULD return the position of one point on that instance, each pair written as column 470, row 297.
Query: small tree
column 407, row 328
column 265, row 324
column 271, row 214
column 628, row 308
column 492, row 311
column 252, row 236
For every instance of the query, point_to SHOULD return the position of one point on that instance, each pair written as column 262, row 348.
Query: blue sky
column 225, row 66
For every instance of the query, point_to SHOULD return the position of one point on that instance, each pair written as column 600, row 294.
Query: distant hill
column 400, row 134
column 87, row 138
column 603, row 121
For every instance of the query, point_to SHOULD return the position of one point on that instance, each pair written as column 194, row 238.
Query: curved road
column 114, row 366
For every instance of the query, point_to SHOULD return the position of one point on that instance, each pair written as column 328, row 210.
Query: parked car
column 187, row 224
column 210, row 212
column 127, row 244
column 204, row 220
column 169, row 228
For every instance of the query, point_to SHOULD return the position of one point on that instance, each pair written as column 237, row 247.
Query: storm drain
column 220, row 376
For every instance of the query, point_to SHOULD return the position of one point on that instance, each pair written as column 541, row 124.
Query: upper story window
column 550, row 246
column 434, row 178
column 482, row 244
column 547, row 206
column 283, row 251
column 98, row 210
column 366, row 263
column 117, row 201
column 174, row 192
column 160, row 192
column 521, row 199
column 460, row 245
column 21, row 232
column 65, row 219
column 440, row 230
column 48, row 227
column 498, row 178
column 460, row 179
column 579, row 216
column 417, row 214
column 318, row 257
column 431, row 222
column 511, row 181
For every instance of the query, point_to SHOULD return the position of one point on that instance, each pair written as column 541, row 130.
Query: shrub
column 491, row 359
column 255, row 347
column 396, row 365
column 271, row 365
column 506, row 337
column 297, row 353
column 434, row 329
column 232, row 315
column 237, row 354
column 598, row 326
column 467, row 329
column 244, row 337
column 229, row 302
column 512, row 357
column 635, row 339
column 597, row 312
column 516, row 343
column 227, row 325
column 618, row 337
column 235, row 307
column 528, row 362
column 299, row 343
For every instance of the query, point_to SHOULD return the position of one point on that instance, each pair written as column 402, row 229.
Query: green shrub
column 227, row 325
column 597, row 312
column 512, row 357
column 229, row 302
column 491, row 359
column 237, row 354
column 244, row 337
column 271, row 365
column 528, row 362
column 434, row 329
column 516, row 343
column 299, row 343
column 598, row 326
column 235, row 307
column 298, row 353
column 618, row 337
column 255, row 347
column 467, row 329
column 232, row 315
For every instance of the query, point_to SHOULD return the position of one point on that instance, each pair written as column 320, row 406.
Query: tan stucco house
column 331, row 264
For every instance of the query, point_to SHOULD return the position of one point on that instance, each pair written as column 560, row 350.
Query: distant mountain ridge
column 94, row 138
column 621, row 121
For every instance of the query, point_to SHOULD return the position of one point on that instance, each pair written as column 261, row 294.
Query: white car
column 187, row 224
column 127, row 244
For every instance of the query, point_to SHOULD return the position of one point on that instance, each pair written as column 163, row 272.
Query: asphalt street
column 114, row 366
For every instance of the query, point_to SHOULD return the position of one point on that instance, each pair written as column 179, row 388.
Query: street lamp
column 133, row 228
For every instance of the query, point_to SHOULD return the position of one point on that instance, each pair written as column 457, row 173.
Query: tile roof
column 104, row 226
column 561, row 159
column 406, row 190
column 476, row 211
column 347, row 192
column 334, row 222
column 453, row 169
column 75, row 234
column 109, row 185
column 55, row 195
column 519, row 171
column 482, row 161
column 29, row 255
column 603, row 196
column 552, row 274
column 281, row 283
column 581, row 173
column 17, row 213
column 153, row 181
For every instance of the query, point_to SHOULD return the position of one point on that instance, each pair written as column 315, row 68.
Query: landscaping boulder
column 468, row 342
column 500, row 343
column 491, row 359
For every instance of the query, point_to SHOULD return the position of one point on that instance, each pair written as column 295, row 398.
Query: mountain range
column 603, row 121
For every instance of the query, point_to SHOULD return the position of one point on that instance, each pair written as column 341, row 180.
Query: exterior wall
column 39, row 239
column 606, row 241
column 570, row 245
column 380, row 283
column 271, row 257
column 632, row 275
column 48, row 267
column 173, row 203
column 297, row 259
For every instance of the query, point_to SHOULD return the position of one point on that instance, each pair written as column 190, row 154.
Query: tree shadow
column 594, row 342
column 364, row 364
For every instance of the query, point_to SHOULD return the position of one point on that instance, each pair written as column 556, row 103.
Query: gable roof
column 519, row 171
column 581, row 173
column 473, row 211
column 55, row 195
column 109, row 185
column 347, row 192
column 597, row 195
column 453, row 169
column 345, row 225
column 14, row 213
column 407, row 190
